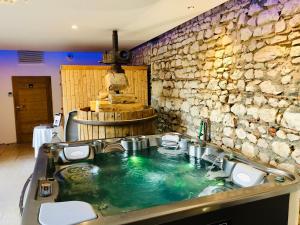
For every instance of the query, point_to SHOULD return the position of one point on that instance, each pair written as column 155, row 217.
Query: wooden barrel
column 98, row 125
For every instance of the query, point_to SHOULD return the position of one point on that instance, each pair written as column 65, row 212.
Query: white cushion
column 247, row 176
column 77, row 152
column 65, row 213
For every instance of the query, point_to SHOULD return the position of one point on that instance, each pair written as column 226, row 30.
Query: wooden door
column 33, row 104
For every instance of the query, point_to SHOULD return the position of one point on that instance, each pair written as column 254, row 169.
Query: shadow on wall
column 9, row 66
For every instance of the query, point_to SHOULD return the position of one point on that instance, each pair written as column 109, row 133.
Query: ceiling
column 46, row 24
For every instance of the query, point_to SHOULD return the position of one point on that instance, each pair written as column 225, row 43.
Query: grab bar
column 21, row 201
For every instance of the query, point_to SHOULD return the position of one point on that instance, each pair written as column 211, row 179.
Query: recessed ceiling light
column 74, row 27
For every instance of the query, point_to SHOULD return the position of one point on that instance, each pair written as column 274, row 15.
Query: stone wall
column 239, row 65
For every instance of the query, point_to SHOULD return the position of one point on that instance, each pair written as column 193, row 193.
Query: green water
column 117, row 183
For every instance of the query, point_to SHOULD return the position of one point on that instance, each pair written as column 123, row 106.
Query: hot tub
column 148, row 180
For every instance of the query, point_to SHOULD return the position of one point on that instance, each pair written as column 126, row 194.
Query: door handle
column 19, row 107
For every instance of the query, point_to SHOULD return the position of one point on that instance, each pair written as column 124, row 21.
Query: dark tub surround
column 237, row 64
column 157, row 179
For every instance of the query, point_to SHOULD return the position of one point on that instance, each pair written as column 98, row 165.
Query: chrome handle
column 19, row 107
column 21, row 201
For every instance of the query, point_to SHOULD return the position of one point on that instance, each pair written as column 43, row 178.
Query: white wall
column 9, row 67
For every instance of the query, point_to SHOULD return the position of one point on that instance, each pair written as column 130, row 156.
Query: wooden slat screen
column 81, row 84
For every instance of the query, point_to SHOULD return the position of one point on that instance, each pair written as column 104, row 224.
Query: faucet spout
column 205, row 131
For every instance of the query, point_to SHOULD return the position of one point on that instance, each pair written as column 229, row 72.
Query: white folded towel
column 170, row 137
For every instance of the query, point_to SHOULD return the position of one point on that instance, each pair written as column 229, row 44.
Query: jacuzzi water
column 115, row 183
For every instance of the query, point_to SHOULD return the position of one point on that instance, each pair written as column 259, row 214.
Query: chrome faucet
column 205, row 131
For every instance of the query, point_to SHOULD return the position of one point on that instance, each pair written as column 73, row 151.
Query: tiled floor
column 16, row 164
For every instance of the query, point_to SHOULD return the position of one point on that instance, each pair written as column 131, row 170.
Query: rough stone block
column 270, row 88
column 296, row 155
column 271, row 2
column 252, row 138
column 291, row 118
column 257, row 32
column 281, row 134
column 276, row 39
column 229, row 120
column 249, row 74
column 240, row 85
column 267, row 29
column 296, row 60
column 258, row 74
column 185, row 107
column 280, row 26
column 294, row 35
column 208, row 65
column 239, row 109
column 219, row 54
column 252, row 22
column 281, row 148
column 241, row 133
column 267, row 114
column 248, row 58
column 295, row 21
column 254, row 9
column 293, row 137
column 228, row 131
column 237, row 74
column 296, row 42
column 216, row 116
column 268, row 16
column 242, row 20
column 208, row 34
column 195, row 111
column 269, row 53
column 262, row 143
column 259, row 100
column 218, row 63
column 286, row 79
column 194, row 48
column 295, row 51
column 291, row 7
column 246, row 34
column 226, row 40
column 249, row 150
column 210, row 53
column 228, row 142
